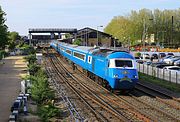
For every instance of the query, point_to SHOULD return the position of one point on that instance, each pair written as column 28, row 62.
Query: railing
column 168, row 75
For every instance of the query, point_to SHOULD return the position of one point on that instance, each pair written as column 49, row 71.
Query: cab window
column 123, row 63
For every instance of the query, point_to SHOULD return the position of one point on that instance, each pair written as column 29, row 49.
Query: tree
column 164, row 25
column 77, row 42
column 13, row 37
column 3, row 30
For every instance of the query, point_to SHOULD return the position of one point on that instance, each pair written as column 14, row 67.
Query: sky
column 24, row 14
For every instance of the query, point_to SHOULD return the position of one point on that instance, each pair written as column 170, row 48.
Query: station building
column 87, row 36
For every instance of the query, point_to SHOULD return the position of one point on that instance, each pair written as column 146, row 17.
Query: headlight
column 116, row 76
column 135, row 76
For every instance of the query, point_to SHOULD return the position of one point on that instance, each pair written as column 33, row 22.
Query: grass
column 163, row 83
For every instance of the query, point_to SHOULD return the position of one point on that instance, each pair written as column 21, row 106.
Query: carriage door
column 106, row 67
column 93, row 63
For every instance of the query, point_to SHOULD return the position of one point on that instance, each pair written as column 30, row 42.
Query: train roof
column 76, row 47
column 100, row 51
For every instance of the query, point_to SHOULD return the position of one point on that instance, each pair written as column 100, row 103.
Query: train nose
column 125, row 83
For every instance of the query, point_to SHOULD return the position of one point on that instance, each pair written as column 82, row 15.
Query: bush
column 47, row 111
column 33, row 68
column 27, row 49
column 40, row 88
column 31, row 59
column 2, row 53
column 138, row 54
column 77, row 42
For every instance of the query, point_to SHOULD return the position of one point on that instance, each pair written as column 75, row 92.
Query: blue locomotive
column 115, row 69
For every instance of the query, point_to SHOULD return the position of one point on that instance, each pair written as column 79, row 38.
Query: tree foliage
column 48, row 111
column 163, row 24
column 40, row 90
column 31, row 59
column 13, row 37
column 3, row 30
column 77, row 42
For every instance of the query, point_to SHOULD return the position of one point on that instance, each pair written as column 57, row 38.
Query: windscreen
column 123, row 63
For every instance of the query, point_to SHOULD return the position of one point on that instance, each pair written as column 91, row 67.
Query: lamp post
column 97, row 34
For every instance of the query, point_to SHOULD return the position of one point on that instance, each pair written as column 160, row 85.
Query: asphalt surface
column 10, row 77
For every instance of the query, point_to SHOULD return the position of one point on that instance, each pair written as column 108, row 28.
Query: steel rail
column 72, row 110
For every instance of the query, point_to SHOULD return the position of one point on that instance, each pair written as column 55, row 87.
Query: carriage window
column 123, row 63
column 68, row 51
column 63, row 49
column 79, row 55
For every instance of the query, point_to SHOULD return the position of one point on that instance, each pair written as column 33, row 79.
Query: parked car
column 173, row 60
column 157, row 63
column 162, row 65
column 145, row 56
column 139, row 60
column 177, row 63
column 162, row 55
column 170, row 54
column 167, row 60
column 148, row 63
column 154, row 56
column 175, row 68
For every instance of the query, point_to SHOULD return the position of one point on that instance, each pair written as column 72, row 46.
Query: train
column 116, row 70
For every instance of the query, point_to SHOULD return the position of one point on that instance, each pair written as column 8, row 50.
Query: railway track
column 147, row 109
column 94, row 104
column 128, row 108
column 123, row 107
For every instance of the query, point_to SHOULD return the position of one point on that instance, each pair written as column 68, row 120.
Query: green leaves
column 40, row 89
column 77, row 42
column 158, row 23
column 48, row 111
column 3, row 30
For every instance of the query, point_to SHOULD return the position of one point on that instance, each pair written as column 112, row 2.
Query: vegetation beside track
column 41, row 93
column 168, row 85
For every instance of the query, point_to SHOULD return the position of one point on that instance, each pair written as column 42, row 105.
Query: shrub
column 40, row 88
column 31, row 58
column 77, row 42
column 33, row 68
column 48, row 111
column 138, row 54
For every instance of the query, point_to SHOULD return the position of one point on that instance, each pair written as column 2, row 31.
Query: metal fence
column 168, row 75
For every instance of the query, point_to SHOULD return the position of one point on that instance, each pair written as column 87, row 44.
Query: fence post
column 147, row 69
column 176, row 77
column 152, row 71
column 139, row 67
column 163, row 74
column 169, row 75
column 143, row 68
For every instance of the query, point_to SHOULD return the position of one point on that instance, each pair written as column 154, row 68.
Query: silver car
column 177, row 63
column 173, row 60
column 170, row 59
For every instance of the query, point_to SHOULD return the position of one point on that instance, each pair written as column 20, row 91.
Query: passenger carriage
column 115, row 69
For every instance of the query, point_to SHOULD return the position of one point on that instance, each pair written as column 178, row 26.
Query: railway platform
column 10, row 77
